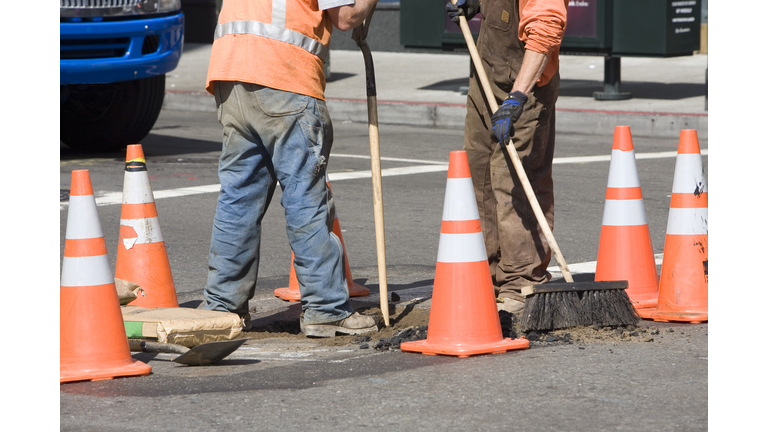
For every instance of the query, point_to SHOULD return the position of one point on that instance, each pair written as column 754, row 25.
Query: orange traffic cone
column 463, row 319
column 684, row 285
column 93, row 342
column 141, row 254
column 292, row 292
column 625, row 251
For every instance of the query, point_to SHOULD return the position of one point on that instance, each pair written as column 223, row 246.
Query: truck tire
column 108, row 117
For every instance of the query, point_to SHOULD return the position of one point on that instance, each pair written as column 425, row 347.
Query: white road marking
column 388, row 172
column 111, row 198
column 589, row 267
column 607, row 158
column 391, row 159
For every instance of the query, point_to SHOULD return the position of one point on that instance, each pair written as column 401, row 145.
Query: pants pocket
column 274, row 103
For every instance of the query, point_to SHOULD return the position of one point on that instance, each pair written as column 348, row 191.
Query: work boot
column 510, row 300
column 351, row 325
column 246, row 320
column 509, row 305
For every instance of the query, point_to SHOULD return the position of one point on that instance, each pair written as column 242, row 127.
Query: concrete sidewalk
column 425, row 90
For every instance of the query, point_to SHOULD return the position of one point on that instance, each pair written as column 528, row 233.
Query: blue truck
column 114, row 55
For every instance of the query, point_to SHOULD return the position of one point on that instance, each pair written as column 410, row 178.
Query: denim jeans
column 275, row 136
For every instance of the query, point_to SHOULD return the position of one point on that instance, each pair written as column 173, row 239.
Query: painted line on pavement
column 112, row 198
column 351, row 156
column 607, row 158
column 591, row 266
column 389, row 172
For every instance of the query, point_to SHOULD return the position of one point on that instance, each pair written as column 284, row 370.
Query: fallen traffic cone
column 684, row 285
column 93, row 342
column 292, row 293
column 625, row 251
column 463, row 319
column 141, row 254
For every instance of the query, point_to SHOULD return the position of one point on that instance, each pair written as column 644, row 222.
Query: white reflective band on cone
column 86, row 271
column 619, row 174
column 689, row 175
column 136, row 189
column 461, row 248
column 688, row 221
column 624, row 213
column 148, row 230
column 460, row 204
column 83, row 218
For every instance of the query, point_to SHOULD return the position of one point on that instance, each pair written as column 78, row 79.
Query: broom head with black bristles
column 573, row 304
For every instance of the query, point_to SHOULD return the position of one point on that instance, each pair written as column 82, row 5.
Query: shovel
column 201, row 355
column 359, row 34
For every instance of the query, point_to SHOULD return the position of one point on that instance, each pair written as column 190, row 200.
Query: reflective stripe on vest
column 278, row 13
column 272, row 31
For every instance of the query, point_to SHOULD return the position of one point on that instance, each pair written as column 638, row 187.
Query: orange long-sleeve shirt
column 542, row 24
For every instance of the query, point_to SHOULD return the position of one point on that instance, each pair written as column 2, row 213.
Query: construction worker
column 519, row 41
column 266, row 72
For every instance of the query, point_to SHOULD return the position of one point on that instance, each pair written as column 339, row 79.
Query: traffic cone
column 292, row 292
column 141, row 254
column 625, row 251
column 93, row 342
column 463, row 319
column 684, row 285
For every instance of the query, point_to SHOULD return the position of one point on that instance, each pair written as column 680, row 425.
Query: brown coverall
column 518, row 252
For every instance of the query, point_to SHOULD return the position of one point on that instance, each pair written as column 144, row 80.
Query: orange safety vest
column 281, row 44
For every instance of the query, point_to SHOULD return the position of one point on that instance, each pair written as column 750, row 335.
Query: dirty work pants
column 275, row 136
column 518, row 252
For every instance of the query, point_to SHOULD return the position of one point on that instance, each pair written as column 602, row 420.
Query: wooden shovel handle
column 359, row 35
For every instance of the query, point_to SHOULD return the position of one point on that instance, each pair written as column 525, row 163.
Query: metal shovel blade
column 209, row 353
column 201, row 355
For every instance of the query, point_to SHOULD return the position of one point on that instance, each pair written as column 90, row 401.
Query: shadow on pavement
column 153, row 145
column 448, row 85
column 338, row 76
column 639, row 89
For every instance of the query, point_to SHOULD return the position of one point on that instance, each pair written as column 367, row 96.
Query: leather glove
column 468, row 8
column 503, row 120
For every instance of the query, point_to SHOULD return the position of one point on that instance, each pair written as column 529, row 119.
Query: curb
column 644, row 124
column 430, row 114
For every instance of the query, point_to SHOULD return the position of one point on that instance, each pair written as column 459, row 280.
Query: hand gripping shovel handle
column 359, row 34
column 518, row 164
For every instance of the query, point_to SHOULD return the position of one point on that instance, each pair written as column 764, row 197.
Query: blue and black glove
column 468, row 8
column 503, row 120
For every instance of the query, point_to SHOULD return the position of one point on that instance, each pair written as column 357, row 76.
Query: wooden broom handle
column 518, row 164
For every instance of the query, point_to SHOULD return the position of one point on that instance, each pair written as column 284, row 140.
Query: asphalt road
column 601, row 385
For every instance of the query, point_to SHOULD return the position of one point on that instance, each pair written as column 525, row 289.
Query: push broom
column 558, row 305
